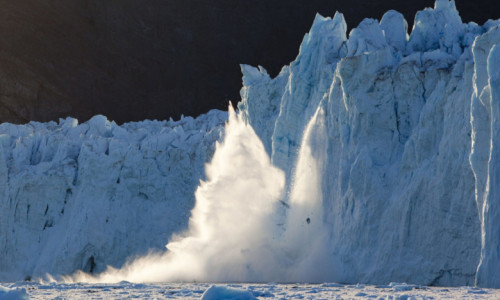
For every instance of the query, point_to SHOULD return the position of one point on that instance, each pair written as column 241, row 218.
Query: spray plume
column 233, row 233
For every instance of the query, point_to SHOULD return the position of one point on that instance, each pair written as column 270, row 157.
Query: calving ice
column 371, row 158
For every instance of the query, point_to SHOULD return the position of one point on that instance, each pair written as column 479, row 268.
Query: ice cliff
column 411, row 174
column 398, row 132
column 90, row 195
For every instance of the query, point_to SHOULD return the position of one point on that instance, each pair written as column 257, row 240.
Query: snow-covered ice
column 222, row 292
column 187, row 291
column 370, row 159
column 13, row 294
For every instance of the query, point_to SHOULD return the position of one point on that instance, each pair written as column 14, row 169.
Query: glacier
column 407, row 179
column 83, row 196
column 378, row 159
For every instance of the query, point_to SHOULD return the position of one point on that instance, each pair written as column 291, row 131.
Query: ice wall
column 485, row 157
column 400, row 198
column 388, row 143
column 90, row 195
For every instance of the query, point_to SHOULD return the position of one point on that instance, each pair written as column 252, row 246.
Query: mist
column 234, row 232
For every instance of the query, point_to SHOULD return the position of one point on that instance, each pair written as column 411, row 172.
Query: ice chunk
column 253, row 75
column 226, row 293
column 261, row 96
column 367, row 37
column 395, row 30
column 99, row 125
column 438, row 28
column 13, row 294
column 309, row 79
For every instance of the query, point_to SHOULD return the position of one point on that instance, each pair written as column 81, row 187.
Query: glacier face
column 400, row 197
column 387, row 142
column 484, row 155
column 90, row 195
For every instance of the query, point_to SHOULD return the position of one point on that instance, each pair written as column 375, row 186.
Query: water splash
column 305, row 224
column 233, row 232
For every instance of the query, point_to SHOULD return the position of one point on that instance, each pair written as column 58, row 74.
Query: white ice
column 369, row 159
column 234, row 291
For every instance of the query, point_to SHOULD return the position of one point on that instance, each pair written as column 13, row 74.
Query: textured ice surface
column 90, row 195
column 485, row 157
column 127, row 290
column 222, row 292
column 399, row 197
column 13, row 294
column 388, row 143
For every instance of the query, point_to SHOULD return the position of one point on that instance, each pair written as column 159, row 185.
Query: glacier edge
column 404, row 201
column 407, row 165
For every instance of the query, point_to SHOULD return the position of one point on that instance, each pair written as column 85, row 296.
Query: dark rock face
column 132, row 60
